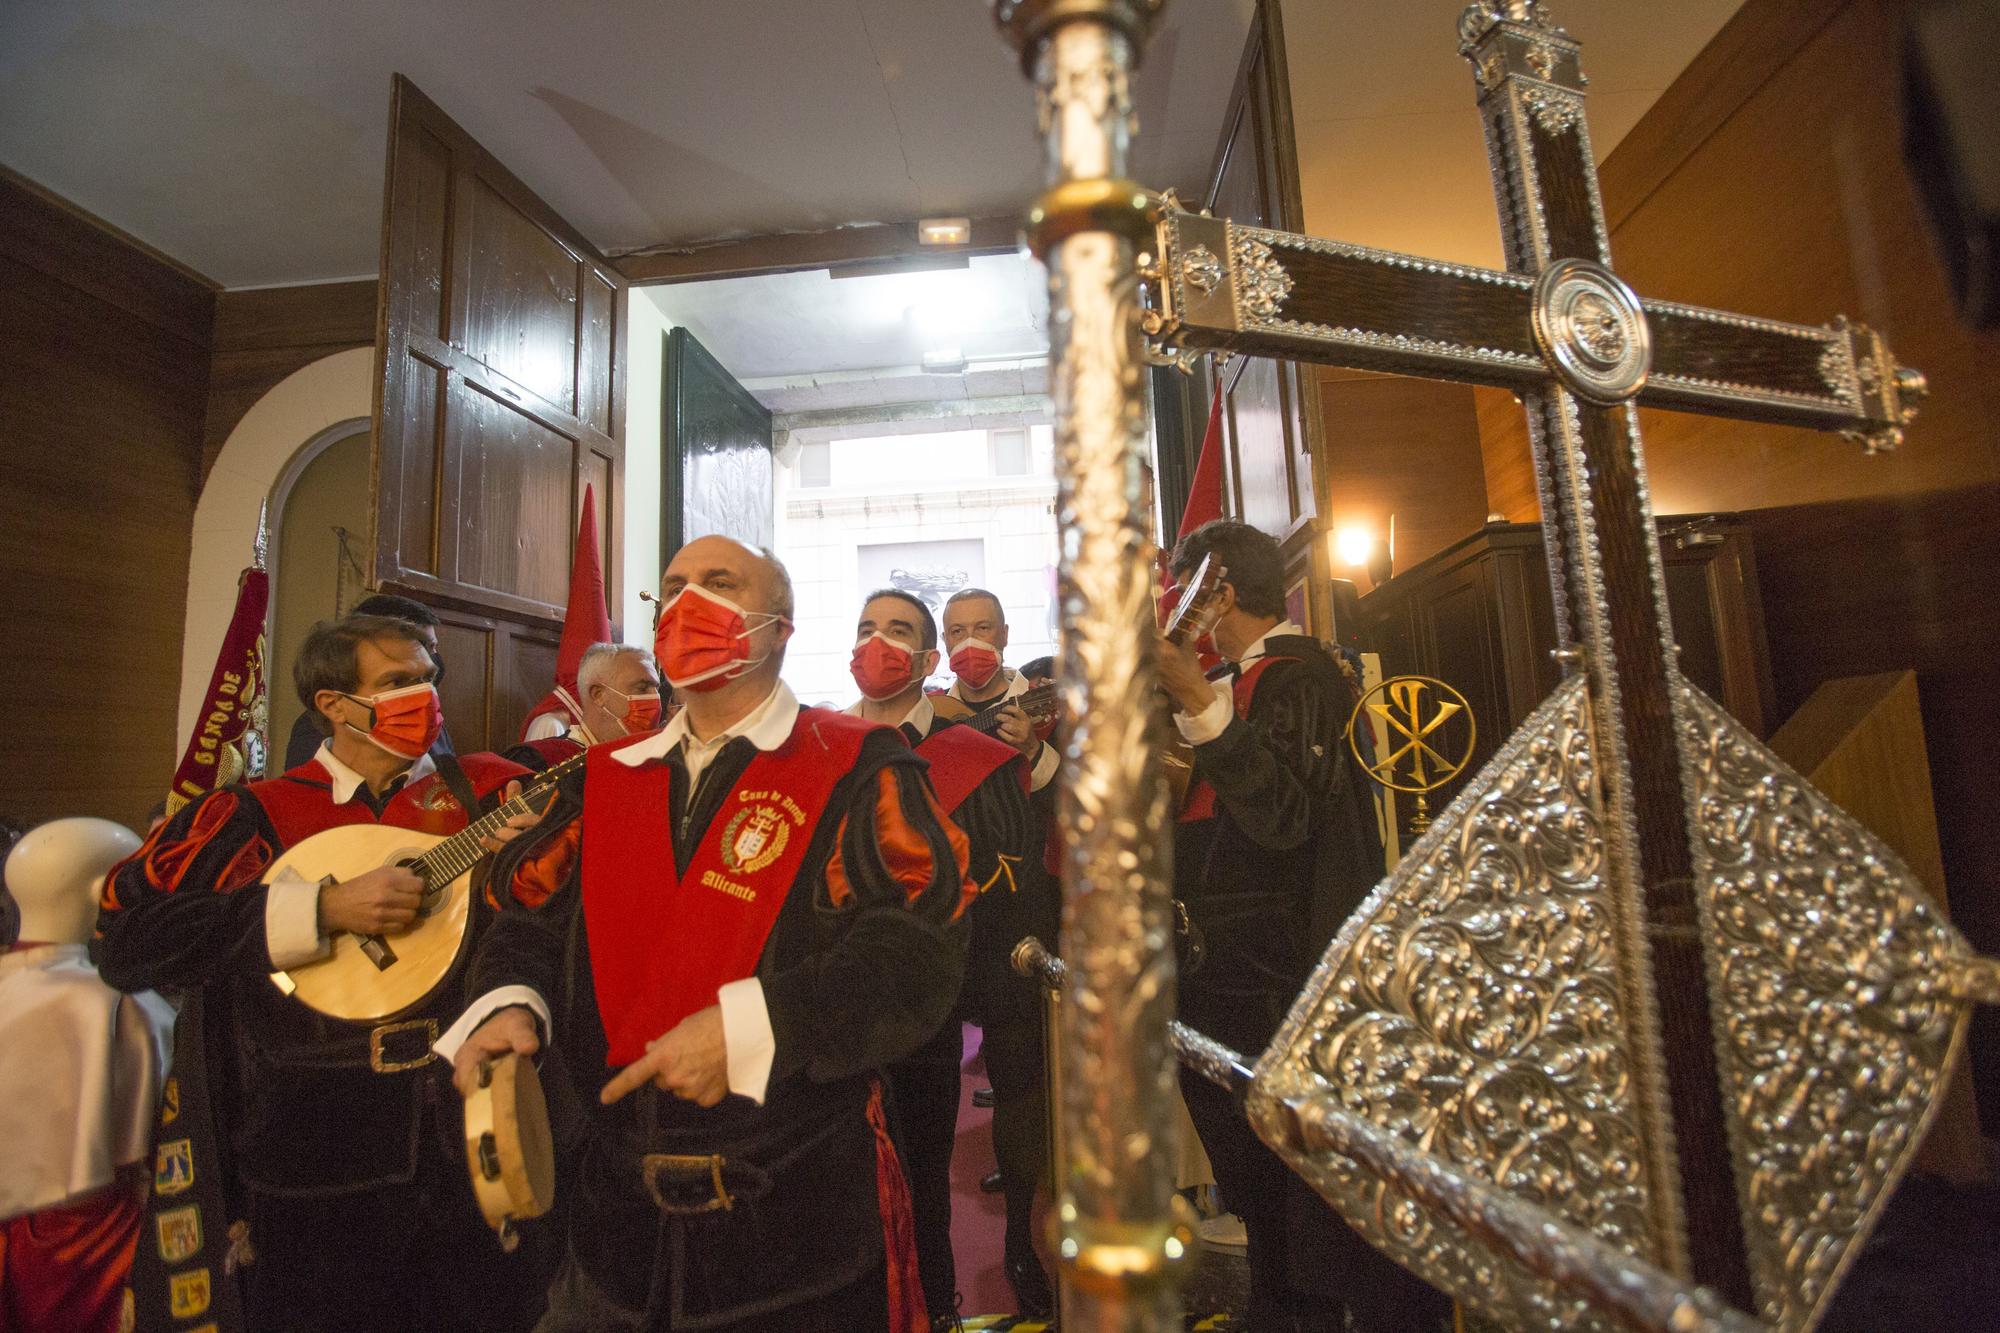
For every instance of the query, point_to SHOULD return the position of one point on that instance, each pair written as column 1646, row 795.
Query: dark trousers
column 923, row 1118
column 578, row 1305
column 1017, row 1068
column 1309, row 1271
column 399, row 1257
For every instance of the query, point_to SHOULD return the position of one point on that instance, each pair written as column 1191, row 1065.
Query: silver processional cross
column 1640, row 974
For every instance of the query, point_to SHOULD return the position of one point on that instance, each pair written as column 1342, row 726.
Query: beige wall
column 331, row 492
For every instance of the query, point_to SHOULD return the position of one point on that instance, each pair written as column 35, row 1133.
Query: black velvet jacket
column 863, row 963
column 1292, row 850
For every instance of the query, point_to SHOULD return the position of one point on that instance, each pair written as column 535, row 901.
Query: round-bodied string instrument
column 508, row 1147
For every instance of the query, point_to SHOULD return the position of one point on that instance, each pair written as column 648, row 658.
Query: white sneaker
column 1223, row 1233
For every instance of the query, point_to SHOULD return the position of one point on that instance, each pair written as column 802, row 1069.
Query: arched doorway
column 319, row 514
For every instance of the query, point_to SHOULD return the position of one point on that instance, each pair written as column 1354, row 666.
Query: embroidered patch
column 188, row 1293
column 180, row 1233
column 439, row 797
column 173, row 1167
column 170, row 1101
column 753, row 838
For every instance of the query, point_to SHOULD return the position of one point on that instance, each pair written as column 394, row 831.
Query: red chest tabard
column 300, row 803
column 663, row 941
column 962, row 758
column 1200, row 802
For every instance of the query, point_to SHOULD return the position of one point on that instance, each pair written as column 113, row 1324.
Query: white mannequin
column 56, row 873
column 81, row 1065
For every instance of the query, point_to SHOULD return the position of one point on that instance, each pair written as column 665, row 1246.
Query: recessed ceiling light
column 944, row 231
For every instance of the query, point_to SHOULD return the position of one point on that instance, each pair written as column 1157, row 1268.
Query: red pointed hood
column 584, row 622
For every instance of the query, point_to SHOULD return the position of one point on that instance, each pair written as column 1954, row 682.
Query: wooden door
column 716, row 466
column 501, row 394
column 1270, row 412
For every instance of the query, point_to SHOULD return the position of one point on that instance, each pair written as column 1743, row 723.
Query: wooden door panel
column 716, row 466
column 514, row 482
column 501, row 381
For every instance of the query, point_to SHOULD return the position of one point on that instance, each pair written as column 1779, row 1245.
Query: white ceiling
column 245, row 137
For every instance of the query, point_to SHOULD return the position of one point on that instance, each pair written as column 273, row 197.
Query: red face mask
column 882, row 667
column 642, row 712
column 703, row 640
column 975, row 662
column 404, row 722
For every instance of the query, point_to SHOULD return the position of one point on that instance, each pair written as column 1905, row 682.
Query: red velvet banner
column 228, row 744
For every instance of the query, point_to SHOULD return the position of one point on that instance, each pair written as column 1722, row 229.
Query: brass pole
column 1120, row 1236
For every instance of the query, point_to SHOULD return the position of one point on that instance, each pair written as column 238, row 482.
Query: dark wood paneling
column 1402, row 447
column 499, row 670
column 260, row 337
column 716, row 467
column 501, row 380
column 106, row 350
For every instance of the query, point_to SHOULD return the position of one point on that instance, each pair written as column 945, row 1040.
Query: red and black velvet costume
column 982, row 784
column 1275, row 846
column 860, row 965
column 354, row 1180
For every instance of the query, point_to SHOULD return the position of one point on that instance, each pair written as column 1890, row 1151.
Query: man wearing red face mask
column 619, row 688
column 1007, row 1006
column 347, row 1143
column 725, row 928
column 982, row 783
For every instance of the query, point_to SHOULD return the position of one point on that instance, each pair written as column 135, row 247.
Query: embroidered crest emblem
column 439, row 797
column 173, row 1167
column 170, row 1101
column 188, row 1293
column 753, row 838
column 179, row 1233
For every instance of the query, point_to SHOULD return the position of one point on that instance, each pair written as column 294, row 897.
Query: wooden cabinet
column 1478, row 616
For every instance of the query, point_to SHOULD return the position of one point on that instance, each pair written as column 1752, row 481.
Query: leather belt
column 391, row 1049
column 694, row 1183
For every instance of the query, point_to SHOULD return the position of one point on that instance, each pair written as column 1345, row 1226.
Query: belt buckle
column 381, row 1063
column 656, row 1164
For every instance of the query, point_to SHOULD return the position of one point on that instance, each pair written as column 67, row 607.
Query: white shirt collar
column 767, row 726
column 922, row 713
column 346, row 781
column 1256, row 649
column 42, row 955
column 1017, row 685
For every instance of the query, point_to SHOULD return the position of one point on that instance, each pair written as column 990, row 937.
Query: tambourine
column 508, row 1147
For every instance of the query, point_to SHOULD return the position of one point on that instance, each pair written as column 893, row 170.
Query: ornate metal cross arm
column 1223, row 286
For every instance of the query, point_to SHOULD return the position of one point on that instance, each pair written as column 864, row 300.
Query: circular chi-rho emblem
column 1592, row 331
column 753, row 838
column 1429, row 731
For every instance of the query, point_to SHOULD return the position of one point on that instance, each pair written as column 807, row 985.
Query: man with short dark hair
column 982, row 784
column 308, row 729
column 347, row 1141
column 1274, row 847
column 619, row 688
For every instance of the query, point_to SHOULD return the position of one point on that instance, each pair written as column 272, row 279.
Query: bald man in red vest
column 727, row 927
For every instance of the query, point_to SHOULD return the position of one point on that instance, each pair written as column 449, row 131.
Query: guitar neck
column 463, row 850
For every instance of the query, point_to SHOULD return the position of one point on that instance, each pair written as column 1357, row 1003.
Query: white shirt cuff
column 483, row 1008
column 1211, row 721
column 1047, row 761
column 291, row 921
column 747, row 1040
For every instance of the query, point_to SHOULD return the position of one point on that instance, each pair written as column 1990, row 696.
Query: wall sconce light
column 1356, row 546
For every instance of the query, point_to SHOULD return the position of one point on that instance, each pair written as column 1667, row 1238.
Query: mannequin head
column 56, row 872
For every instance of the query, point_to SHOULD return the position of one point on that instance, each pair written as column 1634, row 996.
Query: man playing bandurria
column 1275, row 845
column 347, row 1141
column 982, row 784
column 727, row 927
